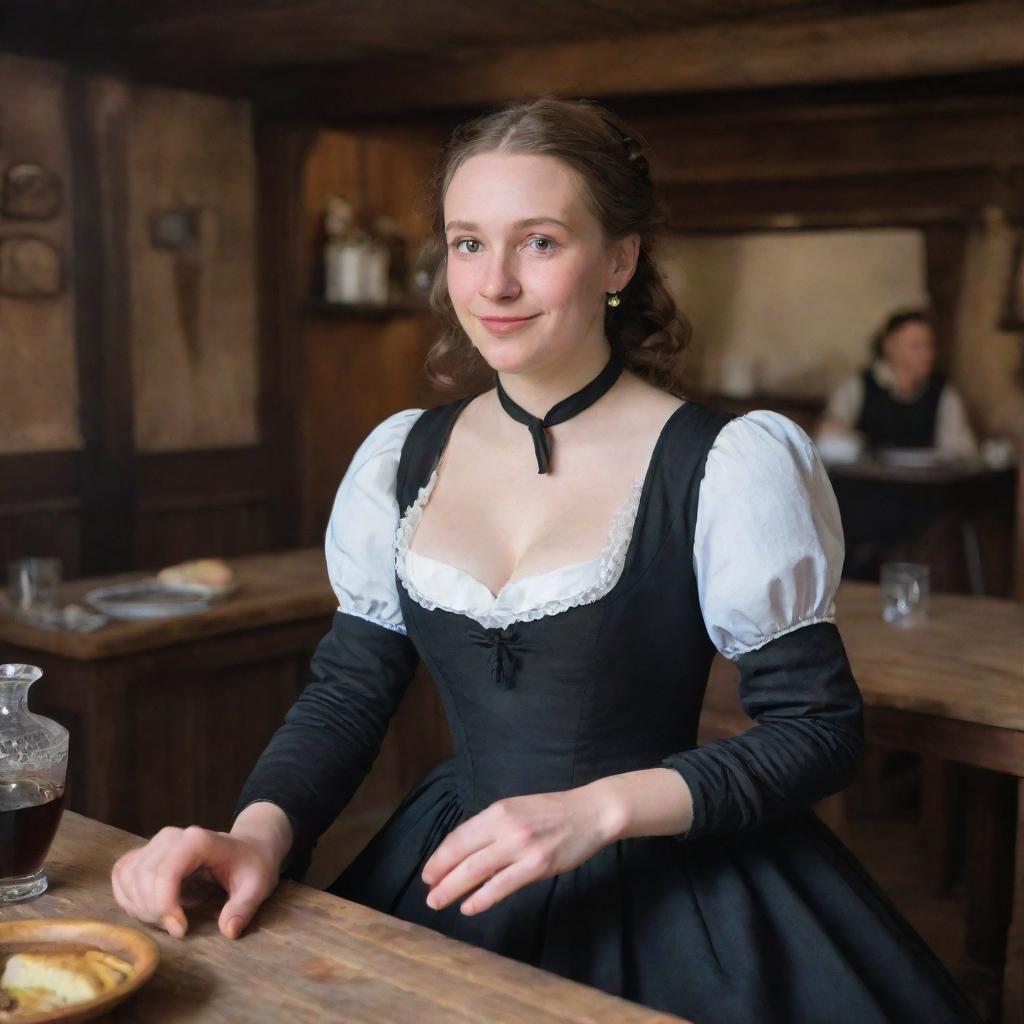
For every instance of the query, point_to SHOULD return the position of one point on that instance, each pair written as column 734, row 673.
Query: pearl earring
column 614, row 300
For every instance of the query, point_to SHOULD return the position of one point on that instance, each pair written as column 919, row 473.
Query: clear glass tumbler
column 33, row 773
column 33, row 583
column 906, row 593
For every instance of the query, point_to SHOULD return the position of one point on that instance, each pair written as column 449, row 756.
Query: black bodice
column 887, row 422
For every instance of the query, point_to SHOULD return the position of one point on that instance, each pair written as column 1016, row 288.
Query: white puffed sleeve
column 360, row 543
column 768, row 544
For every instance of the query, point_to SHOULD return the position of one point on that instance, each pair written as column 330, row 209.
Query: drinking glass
column 33, row 583
column 905, row 593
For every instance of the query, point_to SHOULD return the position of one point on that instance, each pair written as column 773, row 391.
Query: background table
column 959, row 518
column 311, row 957
column 168, row 716
column 951, row 689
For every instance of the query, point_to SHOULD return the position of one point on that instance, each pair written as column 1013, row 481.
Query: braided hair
column 645, row 330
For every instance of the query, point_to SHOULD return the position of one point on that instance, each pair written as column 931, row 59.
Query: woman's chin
column 506, row 356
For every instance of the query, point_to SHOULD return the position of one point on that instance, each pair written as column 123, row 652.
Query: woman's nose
column 500, row 280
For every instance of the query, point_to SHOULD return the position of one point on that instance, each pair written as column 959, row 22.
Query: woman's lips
column 505, row 324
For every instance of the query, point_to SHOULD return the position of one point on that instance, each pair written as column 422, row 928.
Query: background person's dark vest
column 887, row 422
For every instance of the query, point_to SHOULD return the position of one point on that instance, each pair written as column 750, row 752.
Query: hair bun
column 634, row 151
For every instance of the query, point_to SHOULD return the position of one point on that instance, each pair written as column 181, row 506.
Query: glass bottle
column 33, row 773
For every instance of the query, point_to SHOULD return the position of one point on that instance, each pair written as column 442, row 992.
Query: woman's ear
column 625, row 253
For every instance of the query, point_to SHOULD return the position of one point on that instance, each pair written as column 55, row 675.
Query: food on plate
column 37, row 982
column 207, row 572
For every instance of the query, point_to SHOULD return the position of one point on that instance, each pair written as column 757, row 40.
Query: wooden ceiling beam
column 966, row 38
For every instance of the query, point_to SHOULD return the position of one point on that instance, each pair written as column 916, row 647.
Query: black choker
column 564, row 410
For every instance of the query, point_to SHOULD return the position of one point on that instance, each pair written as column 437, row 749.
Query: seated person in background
column 900, row 401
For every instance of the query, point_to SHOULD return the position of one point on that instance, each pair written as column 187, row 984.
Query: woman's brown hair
column 897, row 320
column 645, row 331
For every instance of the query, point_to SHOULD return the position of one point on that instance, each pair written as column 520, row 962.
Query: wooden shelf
column 362, row 310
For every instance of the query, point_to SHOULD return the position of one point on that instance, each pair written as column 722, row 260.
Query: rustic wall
column 790, row 313
column 193, row 311
column 987, row 359
column 359, row 370
column 194, row 351
column 38, row 384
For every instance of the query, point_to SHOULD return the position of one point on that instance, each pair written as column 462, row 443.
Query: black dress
column 757, row 914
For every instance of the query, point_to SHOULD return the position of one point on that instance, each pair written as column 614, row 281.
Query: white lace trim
column 609, row 564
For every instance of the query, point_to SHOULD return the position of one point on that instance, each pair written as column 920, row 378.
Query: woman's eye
column 541, row 244
column 467, row 245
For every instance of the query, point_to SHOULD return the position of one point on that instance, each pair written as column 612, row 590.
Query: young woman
column 566, row 551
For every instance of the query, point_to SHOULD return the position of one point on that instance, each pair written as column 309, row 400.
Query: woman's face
column 528, row 266
column 910, row 350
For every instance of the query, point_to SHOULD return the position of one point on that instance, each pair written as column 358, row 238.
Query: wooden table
column 951, row 689
column 167, row 717
column 311, row 957
column 958, row 517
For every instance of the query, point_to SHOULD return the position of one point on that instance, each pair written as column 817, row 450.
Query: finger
column 467, row 839
column 517, row 875
column 175, row 923
column 124, row 875
column 132, row 869
column 246, row 892
column 117, row 884
column 468, row 875
column 165, row 875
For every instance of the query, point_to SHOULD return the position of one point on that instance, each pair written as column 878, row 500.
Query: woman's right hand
column 245, row 863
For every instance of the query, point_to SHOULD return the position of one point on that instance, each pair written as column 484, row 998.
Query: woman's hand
column 518, row 841
column 245, row 863
column 526, row 838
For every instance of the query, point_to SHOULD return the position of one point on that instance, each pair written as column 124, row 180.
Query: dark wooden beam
column 817, row 142
column 945, row 249
column 98, row 118
column 280, row 155
column 862, row 201
column 948, row 40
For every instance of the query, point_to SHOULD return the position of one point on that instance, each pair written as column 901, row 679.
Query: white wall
column 790, row 313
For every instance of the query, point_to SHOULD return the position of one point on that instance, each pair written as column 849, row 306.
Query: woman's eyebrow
column 534, row 221
column 529, row 222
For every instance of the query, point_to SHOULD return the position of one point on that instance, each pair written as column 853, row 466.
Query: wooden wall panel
column 357, row 371
column 37, row 339
column 40, row 513
column 193, row 309
column 202, row 503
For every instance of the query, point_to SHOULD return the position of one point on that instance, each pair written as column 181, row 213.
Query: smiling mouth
column 505, row 319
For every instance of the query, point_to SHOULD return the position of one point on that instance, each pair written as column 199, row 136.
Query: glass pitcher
column 33, row 771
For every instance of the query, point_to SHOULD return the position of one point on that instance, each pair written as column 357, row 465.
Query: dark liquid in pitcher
column 29, row 815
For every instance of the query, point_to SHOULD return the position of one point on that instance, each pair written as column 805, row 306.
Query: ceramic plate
column 57, row 935
column 914, row 458
column 150, row 599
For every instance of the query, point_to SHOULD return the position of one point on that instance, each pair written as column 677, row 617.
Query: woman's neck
column 906, row 383
column 537, row 391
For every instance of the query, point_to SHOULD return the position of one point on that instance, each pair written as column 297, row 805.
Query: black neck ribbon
column 564, row 410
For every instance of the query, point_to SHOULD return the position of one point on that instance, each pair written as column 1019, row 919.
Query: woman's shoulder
column 386, row 439
column 768, row 540
column 762, row 439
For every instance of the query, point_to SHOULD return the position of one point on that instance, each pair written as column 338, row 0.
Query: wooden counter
column 310, row 957
column 274, row 588
column 168, row 716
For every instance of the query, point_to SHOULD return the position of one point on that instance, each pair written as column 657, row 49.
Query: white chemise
column 768, row 545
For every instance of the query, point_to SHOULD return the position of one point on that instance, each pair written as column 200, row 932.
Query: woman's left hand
column 517, row 841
